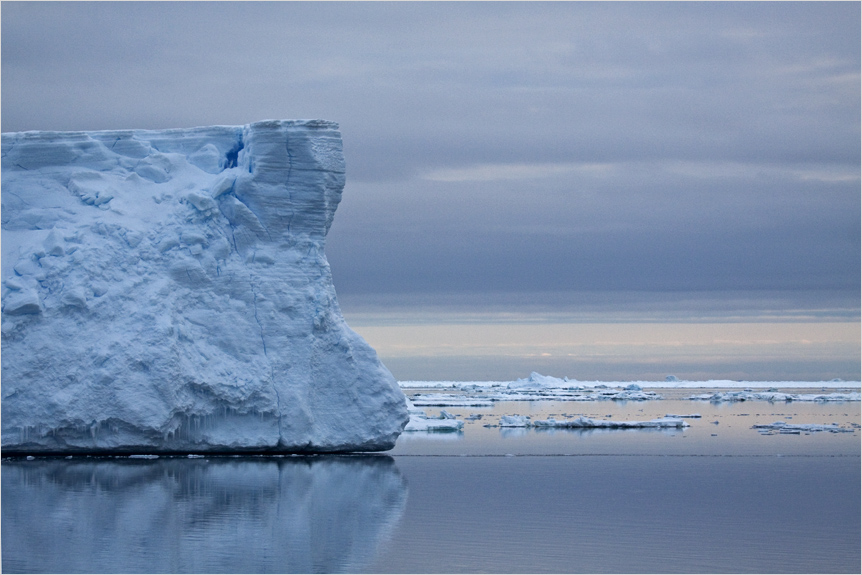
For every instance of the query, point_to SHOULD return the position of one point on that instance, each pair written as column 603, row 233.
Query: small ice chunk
column 430, row 424
column 22, row 303
column 446, row 422
column 515, row 421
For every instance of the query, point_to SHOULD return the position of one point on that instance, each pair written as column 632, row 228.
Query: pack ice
column 167, row 291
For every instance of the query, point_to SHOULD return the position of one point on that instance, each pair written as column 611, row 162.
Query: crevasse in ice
column 168, row 291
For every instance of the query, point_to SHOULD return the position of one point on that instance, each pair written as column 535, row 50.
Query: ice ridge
column 168, row 291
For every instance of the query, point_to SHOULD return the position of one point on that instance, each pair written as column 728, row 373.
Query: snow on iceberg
column 168, row 291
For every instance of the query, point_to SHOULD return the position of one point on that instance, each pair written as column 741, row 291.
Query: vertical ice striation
column 168, row 291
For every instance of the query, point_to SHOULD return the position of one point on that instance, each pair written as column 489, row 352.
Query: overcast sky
column 565, row 161
column 526, row 150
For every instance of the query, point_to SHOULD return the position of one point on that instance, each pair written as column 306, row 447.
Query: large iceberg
column 167, row 291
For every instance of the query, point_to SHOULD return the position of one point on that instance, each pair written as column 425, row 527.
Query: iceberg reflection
column 321, row 514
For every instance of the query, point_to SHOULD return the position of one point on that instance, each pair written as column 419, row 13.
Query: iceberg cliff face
column 168, row 291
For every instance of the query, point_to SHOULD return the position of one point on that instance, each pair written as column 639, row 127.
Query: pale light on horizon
column 643, row 350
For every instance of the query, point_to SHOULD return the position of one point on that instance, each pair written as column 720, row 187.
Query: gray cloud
column 512, row 146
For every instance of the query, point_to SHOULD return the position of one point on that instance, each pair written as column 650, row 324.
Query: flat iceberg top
column 55, row 135
column 168, row 291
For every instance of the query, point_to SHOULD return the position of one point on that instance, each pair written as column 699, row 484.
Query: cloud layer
column 507, row 147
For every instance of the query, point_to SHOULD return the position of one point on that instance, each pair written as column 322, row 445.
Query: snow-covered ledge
column 167, row 291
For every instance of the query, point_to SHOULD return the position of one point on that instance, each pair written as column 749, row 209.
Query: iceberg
column 168, row 291
column 538, row 381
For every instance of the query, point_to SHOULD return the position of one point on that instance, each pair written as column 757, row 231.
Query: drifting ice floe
column 446, row 400
column 537, row 387
column 537, row 381
column 515, row 421
column 433, row 424
column 773, row 396
column 419, row 421
column 589, row 423
column 796, row 428
column 487, row 399
column 168, row 291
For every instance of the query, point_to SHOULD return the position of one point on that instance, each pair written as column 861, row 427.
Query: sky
column 629, row 166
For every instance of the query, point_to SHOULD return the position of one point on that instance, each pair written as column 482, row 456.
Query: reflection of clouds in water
column 297, row 514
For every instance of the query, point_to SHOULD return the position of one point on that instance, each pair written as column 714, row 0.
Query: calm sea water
column 718, row 497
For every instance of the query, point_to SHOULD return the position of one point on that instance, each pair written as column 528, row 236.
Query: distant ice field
column 668, row 384
column 545, row 415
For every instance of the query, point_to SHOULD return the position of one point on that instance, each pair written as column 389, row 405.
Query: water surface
column 715, row 497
